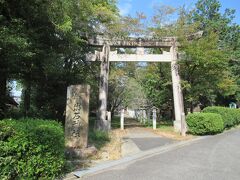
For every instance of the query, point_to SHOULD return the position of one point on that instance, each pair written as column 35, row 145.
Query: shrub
column 230, row 116
column 204, row 123
column 31, row 149
column 236, row 114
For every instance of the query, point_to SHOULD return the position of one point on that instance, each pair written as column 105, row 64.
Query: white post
column 154, row 118
column 109, row 118
column 144, row 116
column 177, row 92
column 102, row 122
column 122, row 119
column 141, row 116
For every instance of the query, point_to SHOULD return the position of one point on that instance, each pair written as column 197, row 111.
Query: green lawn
column 164, row 124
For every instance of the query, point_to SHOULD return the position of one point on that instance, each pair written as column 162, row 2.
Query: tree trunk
column 103, row 123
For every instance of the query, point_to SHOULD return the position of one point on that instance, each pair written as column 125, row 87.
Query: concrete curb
column 136, row 157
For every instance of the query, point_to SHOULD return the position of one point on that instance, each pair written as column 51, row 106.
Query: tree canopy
column 43, row 46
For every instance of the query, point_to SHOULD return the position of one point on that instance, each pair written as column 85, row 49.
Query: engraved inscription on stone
column 77, row 110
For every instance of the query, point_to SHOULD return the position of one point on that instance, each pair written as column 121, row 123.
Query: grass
column 95, row 137
column 165, row 128
column 111, row 150
column 98, row 138
column 92, row 121
column 164, row 125
column 115, row 124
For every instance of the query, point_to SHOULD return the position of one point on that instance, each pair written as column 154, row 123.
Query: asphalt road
column 151, row 142
column 214, row 158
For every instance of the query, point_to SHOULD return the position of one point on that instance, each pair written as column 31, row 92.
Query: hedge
column 231, row 117
column 204, row 123
column 31, row 149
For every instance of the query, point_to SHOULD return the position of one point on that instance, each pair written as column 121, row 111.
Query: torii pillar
column 179, row 123
column 102, row 122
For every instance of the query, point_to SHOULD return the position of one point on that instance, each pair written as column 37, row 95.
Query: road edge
column 139, row 156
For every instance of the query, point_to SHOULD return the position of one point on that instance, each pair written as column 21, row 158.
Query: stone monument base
column 74, row 153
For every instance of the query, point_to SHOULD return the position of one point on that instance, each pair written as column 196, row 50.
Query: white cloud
column 125, row 7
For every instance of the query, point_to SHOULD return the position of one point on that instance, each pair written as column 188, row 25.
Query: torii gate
column 107, row 56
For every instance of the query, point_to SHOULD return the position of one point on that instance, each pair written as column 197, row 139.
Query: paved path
column 144, row 139
column 131, row 122
column 213, row 158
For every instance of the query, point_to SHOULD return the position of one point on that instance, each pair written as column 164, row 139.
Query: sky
column 130, row 7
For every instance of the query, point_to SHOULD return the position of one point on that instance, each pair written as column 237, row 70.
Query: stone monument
column 77, row 110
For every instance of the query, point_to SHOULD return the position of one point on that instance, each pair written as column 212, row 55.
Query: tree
column 43, row 44
column 200, row 69
column 201, row 59
column 212, row 51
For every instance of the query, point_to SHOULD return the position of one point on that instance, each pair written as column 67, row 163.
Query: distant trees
column 125, row 89
column 209, row 65
column 206, row 66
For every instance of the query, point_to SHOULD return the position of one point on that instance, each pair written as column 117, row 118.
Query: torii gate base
column 106, row 56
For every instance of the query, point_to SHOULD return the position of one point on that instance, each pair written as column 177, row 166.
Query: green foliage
column 31, row 149
column 42, row 47
column 98, row 138
column 200, row 71
column 213, row 120
column 231, row 117
column 124, row 87
column 201, row 59
column 204, row 123
column 205, row 57
column 135, row 96
column 157, row 84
